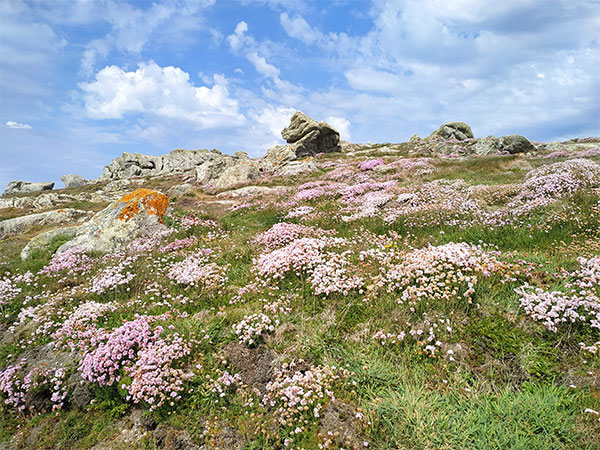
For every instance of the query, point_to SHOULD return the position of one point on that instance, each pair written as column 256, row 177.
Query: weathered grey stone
column 300, row 125
column 21, row 224
column 238, row 174
column 135, row 215
column 71, row 180
column 307, row 137
column 179, row 189
column 23, row 187
column 485, row 146
column 294, row 168
column 212, row 169
column 515, row 144
column 455, row 130
column 42, row 241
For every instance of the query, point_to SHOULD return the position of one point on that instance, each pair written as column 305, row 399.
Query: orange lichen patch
column 155, row 202
column 60, row 210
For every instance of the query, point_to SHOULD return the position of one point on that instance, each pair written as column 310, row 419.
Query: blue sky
column 83, row 81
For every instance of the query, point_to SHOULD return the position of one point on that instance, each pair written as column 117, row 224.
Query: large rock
column 21, row 224
column 212, row 168
column 307, row 137
column 176, row 162
column 179, row 189
column 238, row 174
column 134, row 215
column 515, row 144
column 24, row 187
column 43, row 240
column 71, row 180
column 454, row 130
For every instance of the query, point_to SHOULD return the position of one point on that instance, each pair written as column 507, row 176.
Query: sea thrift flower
column 370, row 164
column 253, row 328
column 153, row 377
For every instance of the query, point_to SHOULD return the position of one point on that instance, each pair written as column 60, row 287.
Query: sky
column 82, row 81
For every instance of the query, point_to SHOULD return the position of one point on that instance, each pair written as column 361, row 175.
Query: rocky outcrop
column 515, row 144
column 454, row 130
column 307, row 137
column 176, row 162
column 21, row 224
column 71, row 180
column 179, row 189
column 134, row 215
column 24, row 187
column 43, row 240
column 237, row 174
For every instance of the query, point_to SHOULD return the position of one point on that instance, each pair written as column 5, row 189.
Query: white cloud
column 274, row 119
column 160, row 91
column 262, row 66
column 132, row 28
column 17, row 125
column 239, row 38
column 341, row 125
column 368, row 79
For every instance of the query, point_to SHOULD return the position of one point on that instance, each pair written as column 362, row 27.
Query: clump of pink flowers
column 179, row 244
column 300, row 395
column 370, row 164
column 154, row 379
column 118, row 348
column 73, row 260
column 579, row 304
column 16, row 385
column 195, row 270
column 252, row 329
column 283, row 233
column 441, row 273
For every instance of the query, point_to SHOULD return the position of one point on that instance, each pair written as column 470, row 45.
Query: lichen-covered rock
column 134, row 215
column 515, row 144
column 24, row 187
column 21, row 224
column 454, row 130
column 42, row 241
column 71, row 180
column 238, row 174
column 179, row 189
column 307, row 137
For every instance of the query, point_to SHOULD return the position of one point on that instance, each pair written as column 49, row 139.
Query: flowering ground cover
column 386, row 301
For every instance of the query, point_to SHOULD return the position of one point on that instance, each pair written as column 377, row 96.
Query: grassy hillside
column 387, row 301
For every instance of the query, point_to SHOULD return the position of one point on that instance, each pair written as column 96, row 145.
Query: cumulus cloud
column 17, row 125
column 160, row 91
column 341, row 125
column 274, row 119
column 132, row 28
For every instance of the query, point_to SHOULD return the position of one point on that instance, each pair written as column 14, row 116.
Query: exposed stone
column 296, row 168
column 238, row 174
column 515, row 144
column 455, row 130
column 42, row 241
column 24, row 187
column 308, row 137
column 21, row 224
column 485, row 146
column 71, row 180
column 132, row 164
column 134, row 215
column 212, row 168
column 179, row 189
